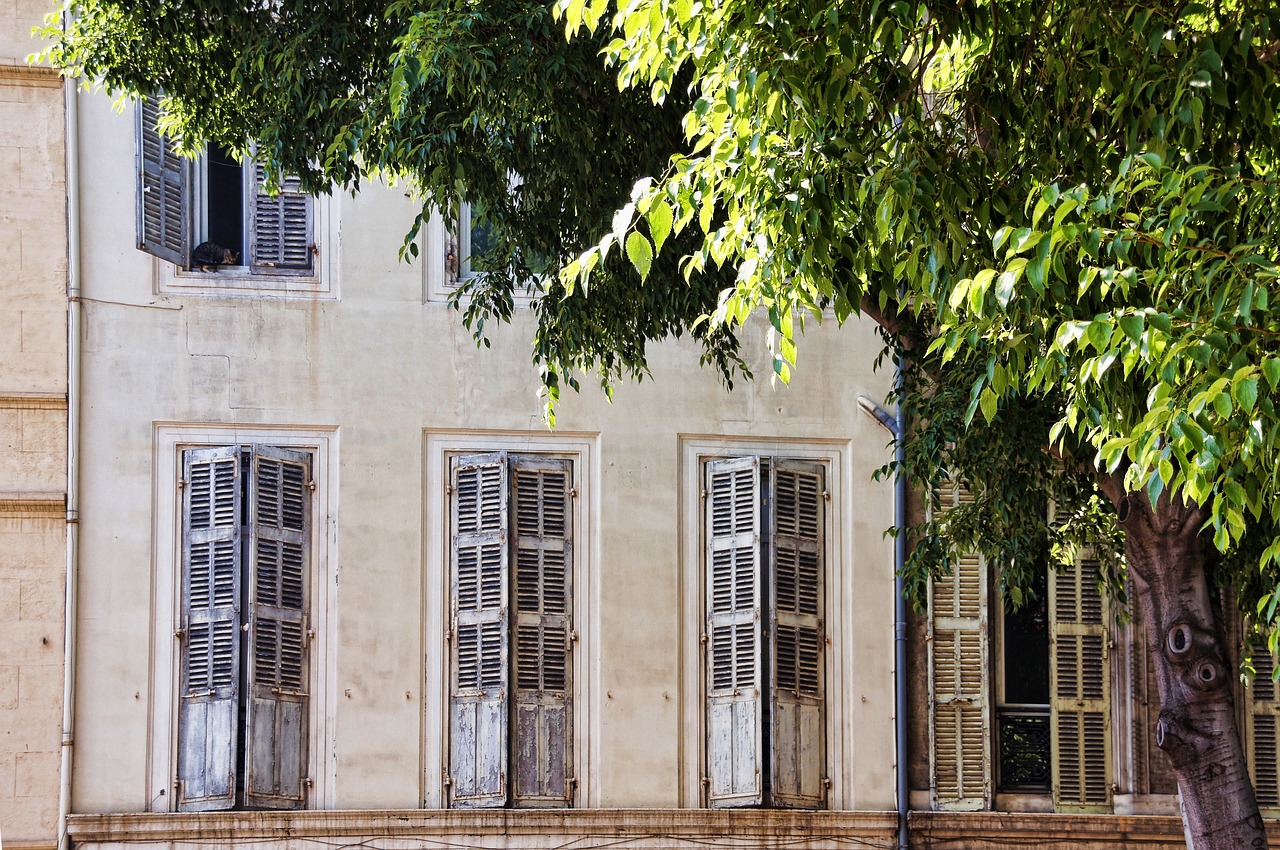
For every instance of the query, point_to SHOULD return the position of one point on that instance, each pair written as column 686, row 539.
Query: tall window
column 182, row 204
column 1050, row 665
column 246, row 564
column 511, row 630
column 764, row 566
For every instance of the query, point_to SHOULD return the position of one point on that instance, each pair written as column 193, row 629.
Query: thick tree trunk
column 1197, row 726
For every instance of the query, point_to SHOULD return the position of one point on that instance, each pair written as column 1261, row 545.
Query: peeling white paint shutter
column 478, row 687
column 960, row 723
column 541, row 494
column 163, row 213
column 1262, row 722
column 278, row 552
column 1079, row 682
column 279, row 227
column 796, row 566
column 733, row 638
column 208, row 707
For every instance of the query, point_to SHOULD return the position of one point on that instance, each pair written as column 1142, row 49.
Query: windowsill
column 760, row 826
column 239, row 280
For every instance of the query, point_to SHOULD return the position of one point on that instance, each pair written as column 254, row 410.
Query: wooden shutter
column 208, row 707
column 797, row 564
column 959, row 683
column 733, row 632
column 1262, row 722
column 163, row 202
column 279, row 226
column 278, row 682
column 1079, row 684
column 478, row 633
column 541, row 493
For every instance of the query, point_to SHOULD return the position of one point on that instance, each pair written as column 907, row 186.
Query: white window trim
column 171, row 439
column 321, row 283
column 437, row 240
column 695, row 451
column 582, row 449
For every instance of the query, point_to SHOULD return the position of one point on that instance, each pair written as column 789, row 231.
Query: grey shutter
column 279, row 227
column 209, row 689
column 163, row 191
column 278, row 554
column 796, row 567
column 541, row 493
column 1262, row 722
column 733, row 638
column 478, row 633
column 959, row 684
column 1079, row 683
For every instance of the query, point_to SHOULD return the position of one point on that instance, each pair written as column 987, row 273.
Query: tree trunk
column 1197, row 726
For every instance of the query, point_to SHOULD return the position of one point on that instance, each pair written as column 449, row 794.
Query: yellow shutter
column 1079, row 682
column 1262, row 721
column 959, row 710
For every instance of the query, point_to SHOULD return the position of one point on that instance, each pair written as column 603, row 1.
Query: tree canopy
column 1061, row 215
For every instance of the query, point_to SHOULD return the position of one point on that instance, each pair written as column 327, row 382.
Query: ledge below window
column 494, row 828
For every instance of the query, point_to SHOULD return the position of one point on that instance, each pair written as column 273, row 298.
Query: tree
column 1060, row 216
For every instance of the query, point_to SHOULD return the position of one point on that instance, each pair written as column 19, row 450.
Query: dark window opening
column 1023, row 713
column 225, row 193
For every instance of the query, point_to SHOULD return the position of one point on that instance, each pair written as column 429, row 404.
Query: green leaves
column 640, row 253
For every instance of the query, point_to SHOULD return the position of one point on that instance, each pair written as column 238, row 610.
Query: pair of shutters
column 243, row 710
column 764, row 639
column 511, row 563
column 961, row 709
column 279, row 227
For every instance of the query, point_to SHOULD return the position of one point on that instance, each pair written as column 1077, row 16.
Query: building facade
column 333, row 563
column 33, row 441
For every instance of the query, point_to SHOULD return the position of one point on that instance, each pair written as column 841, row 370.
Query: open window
column 183, row 204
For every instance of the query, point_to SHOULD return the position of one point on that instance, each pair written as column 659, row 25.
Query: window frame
column 440, row 447
column 170, row 441
column 842, row 709
column 175, row 279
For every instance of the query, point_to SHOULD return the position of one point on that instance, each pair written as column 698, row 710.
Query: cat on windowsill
column 207, row 256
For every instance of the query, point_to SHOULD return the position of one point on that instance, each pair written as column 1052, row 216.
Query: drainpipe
column 72, row 157
column 895, row 424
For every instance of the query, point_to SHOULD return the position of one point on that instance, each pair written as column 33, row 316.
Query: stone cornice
column 32, row 401
column 40, row 506
column 18, row 72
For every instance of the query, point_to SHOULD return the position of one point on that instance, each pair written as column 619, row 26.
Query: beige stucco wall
column 32, row 432
column 383, row 368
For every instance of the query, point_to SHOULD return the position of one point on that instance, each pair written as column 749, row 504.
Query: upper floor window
column 765, row 564
column 510, row 631
column 243, row 698
column 215, row 215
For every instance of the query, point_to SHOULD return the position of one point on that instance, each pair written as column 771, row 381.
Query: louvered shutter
column 1262, row 722
column 1079, row 684
column 959, row 719
column 279, row 226
column 796, row 565
column 278, row 552
column 163, row 190
column 479, row 641
column 208, row 707
column 733, row 632
column 541, row 493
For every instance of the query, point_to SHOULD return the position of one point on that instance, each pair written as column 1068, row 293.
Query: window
column 764, row 572
column 474, row 237
column 510, row 631
column 1066, row 641
column 183, row 204
column 1262, row 722
column 243, row 701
